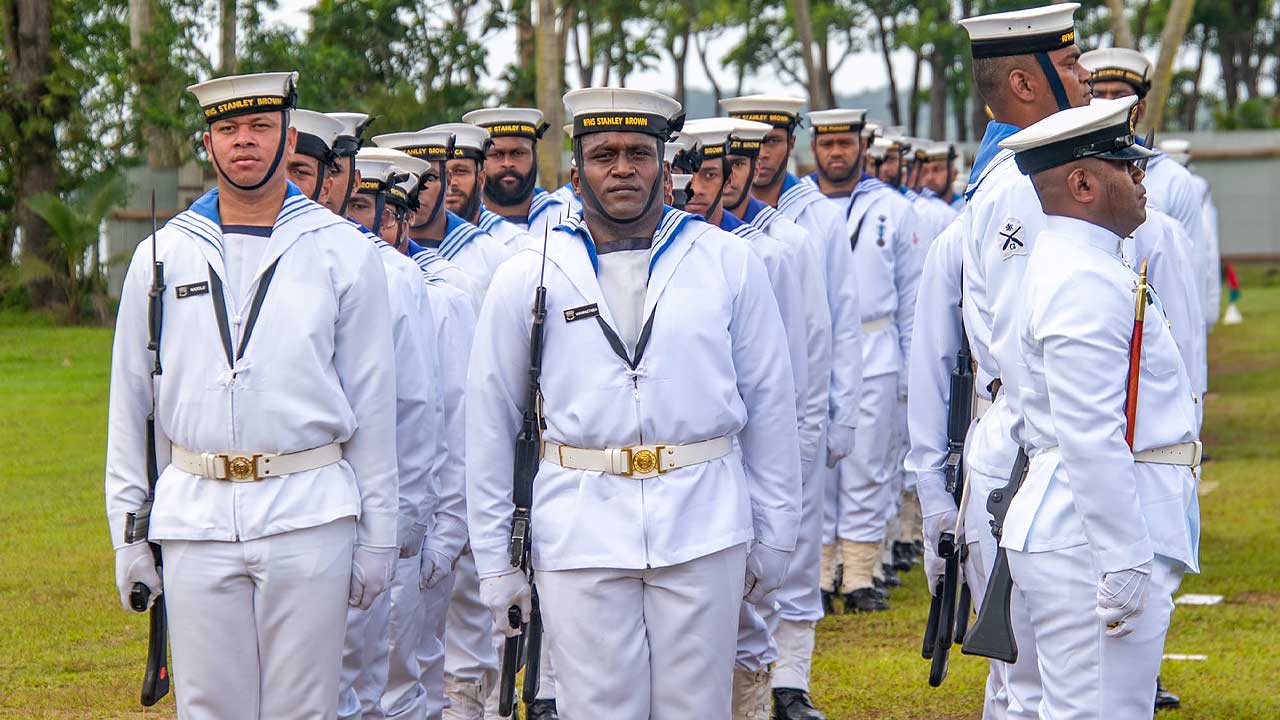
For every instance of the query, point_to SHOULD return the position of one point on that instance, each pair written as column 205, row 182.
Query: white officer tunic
column 512, row 237
column 1086, row 507
column 887, row 256
column 315, row 372
column 715, row 365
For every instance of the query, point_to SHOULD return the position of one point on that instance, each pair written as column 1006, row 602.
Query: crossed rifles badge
column 1011, row 237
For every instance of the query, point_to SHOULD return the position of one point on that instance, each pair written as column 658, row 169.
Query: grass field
column 67, row 650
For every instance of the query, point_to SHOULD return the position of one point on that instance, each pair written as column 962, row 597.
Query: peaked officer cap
column 1104, row 129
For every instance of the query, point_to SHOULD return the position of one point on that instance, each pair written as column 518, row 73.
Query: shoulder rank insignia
column 1011, row 239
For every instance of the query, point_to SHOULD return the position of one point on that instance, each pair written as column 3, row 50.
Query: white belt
column 1187, row 453
column 879, row 323
column 639, row 461
column 250, row 467
column 980, row 406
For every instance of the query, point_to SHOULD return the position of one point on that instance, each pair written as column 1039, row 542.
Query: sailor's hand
column 136, row 564
column 766, row 570
column 371, row 571
column 436, row 566
column 410, row 540
column 934, row 526
column 1121, row 598
column 839, row 443
column 503, row 592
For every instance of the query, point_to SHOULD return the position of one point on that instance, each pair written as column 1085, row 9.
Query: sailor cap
column 880, row 148
column 711, row 133
column 1176, row 148
column 1123, row 64
column 317, row 133
column 235, row 95
column 428, row 145
column 609, row 109
column 872, row 130
column 383, row 170
column 402, row 162
column 838, row 120
column 508, row 122
column 469, row 141
column 779, row 111
column 375, row 173
column 746, row 137
column 352, row 135
column 1022, row 32
column 680, row 181
column 936, row 151
column 1104, row 129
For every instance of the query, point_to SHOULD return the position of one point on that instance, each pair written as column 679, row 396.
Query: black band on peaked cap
column 777, row 119
column 250, row 105
column 516, row 129
column 1111, row 143
column 1024, row 45
column 623, row 121
column 466, row 153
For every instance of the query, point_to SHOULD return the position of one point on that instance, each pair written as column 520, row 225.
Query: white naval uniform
column 546, row 210
column 861, row 497
column 380, row 665
column 314, row 373
column 512, row 237
column 566, row 195
column 621, row 560
column 1213, row 300
column 938, row 331
column 434, row 266
column 474, row 251
column 799, row 600
column 1086, row 507
column 1172, row 189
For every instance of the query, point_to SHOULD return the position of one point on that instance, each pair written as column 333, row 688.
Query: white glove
column 934, row 526
column 410, row 540
column 839, row 443
column 934, row 566
column 136, row 564
column 500, row 593
column 766, row 569
column 371, row 572
column 1121, row 596
column 436, row 566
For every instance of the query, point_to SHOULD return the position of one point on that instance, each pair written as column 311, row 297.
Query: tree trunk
column 526, row 51
column 913, row 104
column 1175, row 29
column 228, row 45
column 895, row 112
column 937, row 95
column 679, row 50
column 550, row 57
column 27, row 28
column 824, row 80
column 804, row 34
column 1120, row 35
column 702, row 47
column 1193, row 101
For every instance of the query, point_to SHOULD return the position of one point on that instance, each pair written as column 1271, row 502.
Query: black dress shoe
column 828, row 603
column 904, row 556
column 864, row 600
column 793, row 704
column 543, row 710
column 1166, row 700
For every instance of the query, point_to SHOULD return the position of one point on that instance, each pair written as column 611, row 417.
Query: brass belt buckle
column 242, row 468
column 643, row 461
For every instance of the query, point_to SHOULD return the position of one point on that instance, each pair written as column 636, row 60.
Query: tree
column 550, row 53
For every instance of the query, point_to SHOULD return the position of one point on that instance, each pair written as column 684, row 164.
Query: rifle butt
column 510, row 666
column 931, row 626
column 991, row 635
column 155, row 681
column 532, row 654
column 963, row 608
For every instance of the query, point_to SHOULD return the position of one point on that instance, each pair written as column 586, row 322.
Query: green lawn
column 67, row 650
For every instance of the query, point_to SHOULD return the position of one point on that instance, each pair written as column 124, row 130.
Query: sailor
column 862, row 490
column 938, row 176
column 1179, row 150
column 343, row 171
column 380, row 666
column 680, row 159
column 1171, row 188
column 838, row 147
column 466, row 179
column 666, row 389
column 311, row 165
column 275, row 414
column 1102, row 529
column 511, row 169
column 823, row 220
column 473, row 250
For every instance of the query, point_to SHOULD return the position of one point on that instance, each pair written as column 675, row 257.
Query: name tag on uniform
column 193, row 289
column 581, row 313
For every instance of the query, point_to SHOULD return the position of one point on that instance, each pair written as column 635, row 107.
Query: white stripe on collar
column 457, row 238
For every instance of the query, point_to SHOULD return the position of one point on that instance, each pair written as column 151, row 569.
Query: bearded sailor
column 466, row 180
column 275, row 416
column 343, row 171
column 511, row 168
column 1107, row 520
column 653, row 310
column 838, row 148
column 823, row 220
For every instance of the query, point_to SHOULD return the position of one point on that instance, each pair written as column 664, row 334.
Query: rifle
column 944, row 622
column 992, row 633
column 155, row 679
column 525, row 649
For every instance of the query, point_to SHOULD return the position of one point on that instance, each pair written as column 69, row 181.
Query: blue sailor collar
column 908, row 193
column 457, row 233
column 541, row 201
column 202, row 220
column 489, row 220
column 799, row 194
column 730, row 223
column 673, row 221
column 760, row 214
column 988, row 149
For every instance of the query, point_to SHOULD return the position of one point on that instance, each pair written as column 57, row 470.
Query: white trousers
column 1013, row 691
column 858, row 491
column 365, row 659
column 1085, row 674
column 646, row 644
column 799, row 598
column 435, row 606
column 405, row 697
column 241, row 614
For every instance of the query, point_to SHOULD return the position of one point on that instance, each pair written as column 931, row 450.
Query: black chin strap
column 746, row 188
column 471, row 210
column 435, row 209
column 320, row 170
column 275, row 164
column 589, row 195
column 379, row 204
column 351, row 181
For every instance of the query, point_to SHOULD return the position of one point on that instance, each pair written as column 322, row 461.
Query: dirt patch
column 1265, row 599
